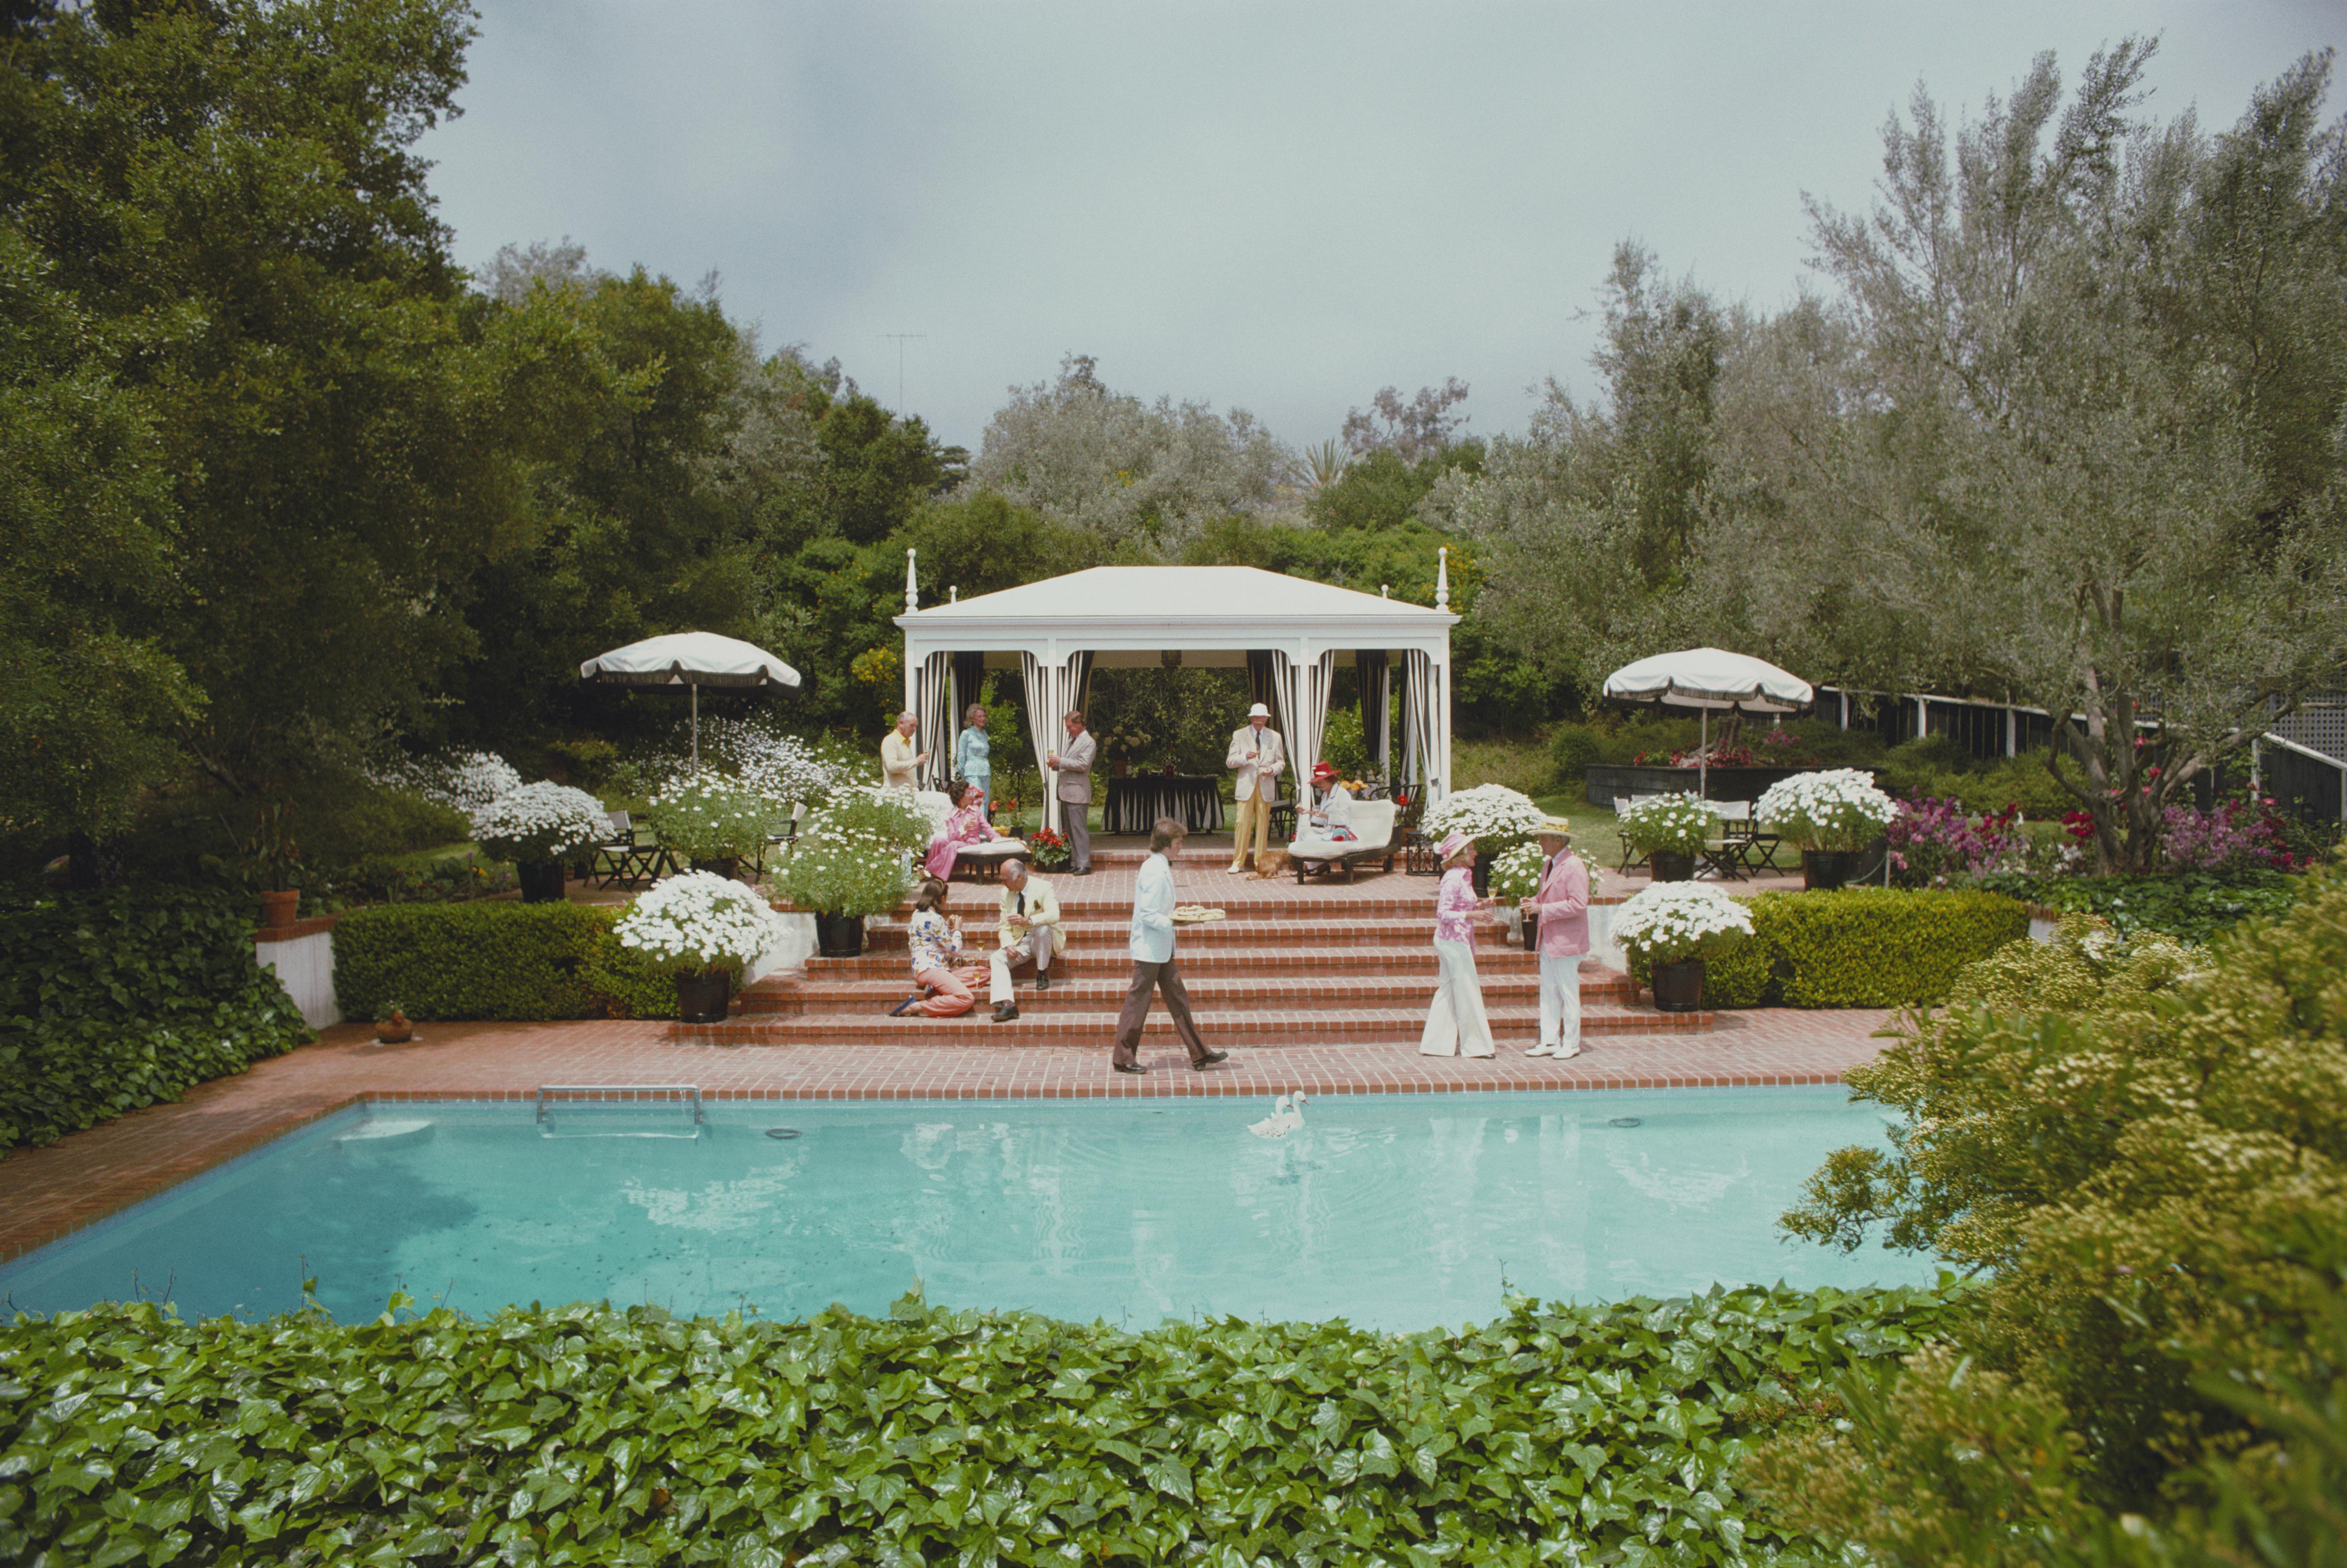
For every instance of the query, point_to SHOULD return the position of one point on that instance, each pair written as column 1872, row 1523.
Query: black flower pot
column 1670, row 867
column 726, row 865
column 839, row 935
column 702, row 999
column 1481, row 876
column 541, row 881
column 1532, row 932
column 1826, row 869
column 1678, row 988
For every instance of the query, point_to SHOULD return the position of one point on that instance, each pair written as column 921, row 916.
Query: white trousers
column 1035, row 944
column 1457, row 1025
column 1560, row 1000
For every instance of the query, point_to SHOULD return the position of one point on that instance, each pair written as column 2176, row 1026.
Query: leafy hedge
column 495, row 960
column 2194, row 905
column 120, row 998
column 1858, row 947
column 592, row 1436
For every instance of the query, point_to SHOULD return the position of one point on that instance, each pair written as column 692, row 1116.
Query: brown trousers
column 1148, row 978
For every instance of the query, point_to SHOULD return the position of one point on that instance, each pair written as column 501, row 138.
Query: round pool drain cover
column 782, row 1132
column 1625, row 1122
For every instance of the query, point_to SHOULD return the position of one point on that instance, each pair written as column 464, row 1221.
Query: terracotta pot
column 1826, row 869
column 702, row 999
column 839, row 935
column 1678, row 988
column 1669, row 867
column 394, row 1029
column 279, row 906
column 541, row 881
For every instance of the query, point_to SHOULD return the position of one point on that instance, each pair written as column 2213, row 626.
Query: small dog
column 1271, row 862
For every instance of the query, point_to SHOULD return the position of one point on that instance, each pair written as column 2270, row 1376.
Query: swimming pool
column 1398, row 1212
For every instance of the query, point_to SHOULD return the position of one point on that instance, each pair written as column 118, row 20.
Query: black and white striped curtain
column 933, row 706
column 1043, row 711
column 1078, row 691
column 1373, row 672
column 1262, row 678
column 968, row 686
column 1420, row 702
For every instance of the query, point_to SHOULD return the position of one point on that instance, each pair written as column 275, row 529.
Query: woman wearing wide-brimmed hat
column 1457, row 1025
column 1331, row 816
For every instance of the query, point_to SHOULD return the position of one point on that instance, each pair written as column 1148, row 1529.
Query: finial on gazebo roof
column 1442, row 579
column 953, row 594
column 912, row 584
column 1385, row 590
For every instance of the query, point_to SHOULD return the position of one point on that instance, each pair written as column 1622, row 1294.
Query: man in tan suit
column 1257, row 756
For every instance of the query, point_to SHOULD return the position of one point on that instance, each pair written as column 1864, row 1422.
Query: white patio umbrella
column 1706, row 679
column 693, row 660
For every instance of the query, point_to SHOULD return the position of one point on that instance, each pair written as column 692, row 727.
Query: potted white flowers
column 715, row 823
column 702, row 927
column 1670, row 830
column 1832, row 815
column 536, row 826
column 852, row 860
column 1495, row 816
column 1669, row 927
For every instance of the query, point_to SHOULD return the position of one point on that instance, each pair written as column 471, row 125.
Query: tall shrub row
column 115, row 999
column 1858, row 947
column 495, row 960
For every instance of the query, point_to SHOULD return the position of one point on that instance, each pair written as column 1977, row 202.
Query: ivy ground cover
column 587, row 1435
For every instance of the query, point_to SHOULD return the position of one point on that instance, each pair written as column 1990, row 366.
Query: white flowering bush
column 1493, row 815
column 1669, row 825
column 1671, row 922
column 539, row 822
column 713, row 818
column 468, row 781
column 1516, row 874
column 1838, row 809
column 752, row 756
column 699, row 922
column 855, row 856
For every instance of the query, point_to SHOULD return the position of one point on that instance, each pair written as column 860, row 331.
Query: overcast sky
column 1277, row 207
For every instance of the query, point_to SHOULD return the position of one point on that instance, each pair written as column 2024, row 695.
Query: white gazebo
column 1286, row 633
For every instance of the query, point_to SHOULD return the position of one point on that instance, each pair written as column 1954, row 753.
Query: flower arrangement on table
column 538, row 822
column 1495, row 816
column 1126, row 741
column 714, row 818
column 1839, row 809
column 699, row 923
column 1669, row 825
column 1047, row 848
column 1673, row 922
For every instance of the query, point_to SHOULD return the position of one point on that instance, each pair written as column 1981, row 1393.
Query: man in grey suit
column 1074, row 767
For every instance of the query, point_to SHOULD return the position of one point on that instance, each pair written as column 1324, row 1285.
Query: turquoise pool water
column 1400, row 1212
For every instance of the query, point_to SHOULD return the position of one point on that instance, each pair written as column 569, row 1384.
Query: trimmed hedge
column 1601, row 1434
column 119, row 998
column 517, row 963
column 1858, row 947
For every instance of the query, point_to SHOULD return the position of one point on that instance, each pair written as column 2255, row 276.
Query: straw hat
column 1557, row 827
column 1453, row 843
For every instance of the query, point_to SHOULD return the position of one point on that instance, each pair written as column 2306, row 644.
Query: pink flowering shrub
column 2239, row 833
column 1933, row 840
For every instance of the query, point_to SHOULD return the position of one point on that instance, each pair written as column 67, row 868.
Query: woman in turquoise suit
column 971, row 760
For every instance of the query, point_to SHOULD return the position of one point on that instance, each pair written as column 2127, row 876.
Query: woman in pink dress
column 1457, row 1024
column 966, row 825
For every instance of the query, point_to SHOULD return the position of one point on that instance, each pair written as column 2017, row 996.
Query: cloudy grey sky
column 1282, row 206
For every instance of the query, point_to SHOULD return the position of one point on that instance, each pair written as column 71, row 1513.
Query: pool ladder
column 617, row 1091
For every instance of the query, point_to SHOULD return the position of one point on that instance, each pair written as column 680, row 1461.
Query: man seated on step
column 1031, row 934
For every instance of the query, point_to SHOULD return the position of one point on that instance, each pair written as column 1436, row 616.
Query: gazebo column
column 1439, row 785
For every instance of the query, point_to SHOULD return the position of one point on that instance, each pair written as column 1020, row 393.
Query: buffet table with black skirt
column 1135, row 804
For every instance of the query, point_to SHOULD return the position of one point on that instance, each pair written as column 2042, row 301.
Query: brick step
column 1371, row 930
column 1243, row 900
column 1111, row 958
column 1223, row 1027
column 1077, row 993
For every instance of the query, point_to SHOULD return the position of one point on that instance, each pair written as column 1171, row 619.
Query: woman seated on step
column 966, row 825
column 1331, row 816
column 935, row 942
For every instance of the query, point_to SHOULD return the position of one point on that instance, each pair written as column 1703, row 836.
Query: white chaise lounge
column 1373, row 820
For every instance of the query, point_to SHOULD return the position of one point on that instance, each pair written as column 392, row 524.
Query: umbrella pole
column 1702, row 761
column 696, row 729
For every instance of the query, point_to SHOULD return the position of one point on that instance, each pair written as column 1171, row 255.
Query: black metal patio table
column 1134, row 803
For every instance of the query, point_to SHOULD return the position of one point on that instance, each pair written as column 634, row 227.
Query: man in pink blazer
column 1562, row 905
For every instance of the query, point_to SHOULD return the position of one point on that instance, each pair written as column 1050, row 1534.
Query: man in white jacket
column 1151, row 944
column 1257, row 755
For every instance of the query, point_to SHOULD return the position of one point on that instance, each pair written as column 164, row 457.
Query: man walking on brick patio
column 1151, row 944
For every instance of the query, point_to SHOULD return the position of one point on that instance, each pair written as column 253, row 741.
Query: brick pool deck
column 49, row 1193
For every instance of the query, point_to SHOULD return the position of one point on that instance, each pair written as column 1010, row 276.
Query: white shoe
column 1565, row 1052
column 1540, row 1051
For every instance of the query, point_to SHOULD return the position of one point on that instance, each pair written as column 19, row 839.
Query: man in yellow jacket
column 1256, row 756
column 1031, row 934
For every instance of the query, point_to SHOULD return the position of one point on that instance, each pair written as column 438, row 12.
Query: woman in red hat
column 1331, row 816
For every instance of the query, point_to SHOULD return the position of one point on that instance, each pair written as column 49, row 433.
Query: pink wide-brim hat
column 1453, row 843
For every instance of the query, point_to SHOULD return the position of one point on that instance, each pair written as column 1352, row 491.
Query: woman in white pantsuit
column 1456, row 1025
